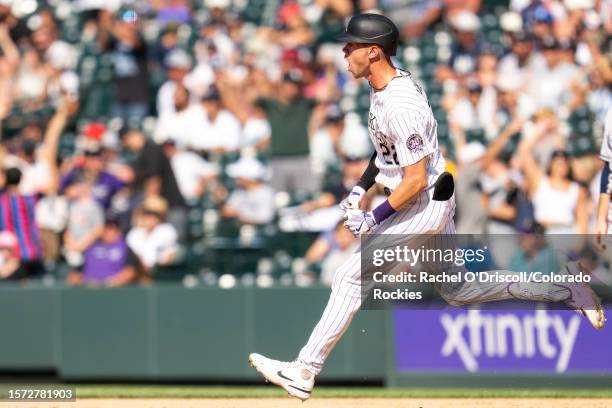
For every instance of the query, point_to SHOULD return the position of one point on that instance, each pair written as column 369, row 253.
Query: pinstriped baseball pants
column 416, row 228
column 415, row 222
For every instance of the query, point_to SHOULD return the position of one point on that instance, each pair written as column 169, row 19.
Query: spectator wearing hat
column 108, row 261
column 539, row 19
column 253, row 200
column 92, row 166
column 152, row 239
column 17, row 216
column 9, row 256
column 465, row 51
column 221, row 129
column 289, row 116
column 551, row 85
column 512, row 102
column 177, row 63
column 215, row 49
column 521, row 61
column 470, row 114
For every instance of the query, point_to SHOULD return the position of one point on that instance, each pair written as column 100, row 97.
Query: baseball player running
column 420, row 203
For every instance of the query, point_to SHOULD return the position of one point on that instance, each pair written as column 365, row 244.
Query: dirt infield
column 334, row 402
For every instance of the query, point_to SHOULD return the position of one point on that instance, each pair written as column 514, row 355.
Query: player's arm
column 368, row 177
column 406, row 133
column 413, row 182
column 367, row 180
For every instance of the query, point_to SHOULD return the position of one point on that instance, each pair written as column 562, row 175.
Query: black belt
column 444, row 187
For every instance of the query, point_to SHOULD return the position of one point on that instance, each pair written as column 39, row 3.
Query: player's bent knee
column 455, row 300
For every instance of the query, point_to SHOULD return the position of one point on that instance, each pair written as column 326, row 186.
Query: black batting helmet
column 369, row 28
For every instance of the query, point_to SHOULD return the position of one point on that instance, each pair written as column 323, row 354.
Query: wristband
column 383, row 211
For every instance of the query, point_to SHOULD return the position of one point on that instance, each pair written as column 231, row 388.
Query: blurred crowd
column 136, row 134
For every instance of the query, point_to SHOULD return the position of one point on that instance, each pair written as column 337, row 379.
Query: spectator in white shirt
column 472, row 111
column 153, row 240
column 206, row 126
column 550, row 86
column 192, row 172
column 222, row 129
column 30, row 160
column 522, row 61
column 178, row 64
column 253, row 201
column 183, row 121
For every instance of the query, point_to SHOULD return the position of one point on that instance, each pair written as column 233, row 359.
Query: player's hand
column 351, row 202
column 359, row 222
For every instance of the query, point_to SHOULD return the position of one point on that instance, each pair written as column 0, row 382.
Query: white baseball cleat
column 292, row 376
column 583, row 299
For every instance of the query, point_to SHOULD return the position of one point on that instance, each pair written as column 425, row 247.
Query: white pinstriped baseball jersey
column 403, row 130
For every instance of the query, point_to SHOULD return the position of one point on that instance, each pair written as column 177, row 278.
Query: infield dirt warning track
column 329, row 403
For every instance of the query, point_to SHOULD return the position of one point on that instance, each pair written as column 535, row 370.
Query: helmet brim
column 350, row 38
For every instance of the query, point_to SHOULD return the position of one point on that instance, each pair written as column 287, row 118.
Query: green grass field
column 196, row 391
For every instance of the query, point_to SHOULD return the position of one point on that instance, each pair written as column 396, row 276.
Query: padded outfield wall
column 167, row 332
column 170, row 333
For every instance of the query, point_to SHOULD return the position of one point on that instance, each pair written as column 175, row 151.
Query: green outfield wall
column 168, row 332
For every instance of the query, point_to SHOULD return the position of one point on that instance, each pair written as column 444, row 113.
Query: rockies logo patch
column 414, row 142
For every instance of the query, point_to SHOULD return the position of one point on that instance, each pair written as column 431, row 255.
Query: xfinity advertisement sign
column 455, row 340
